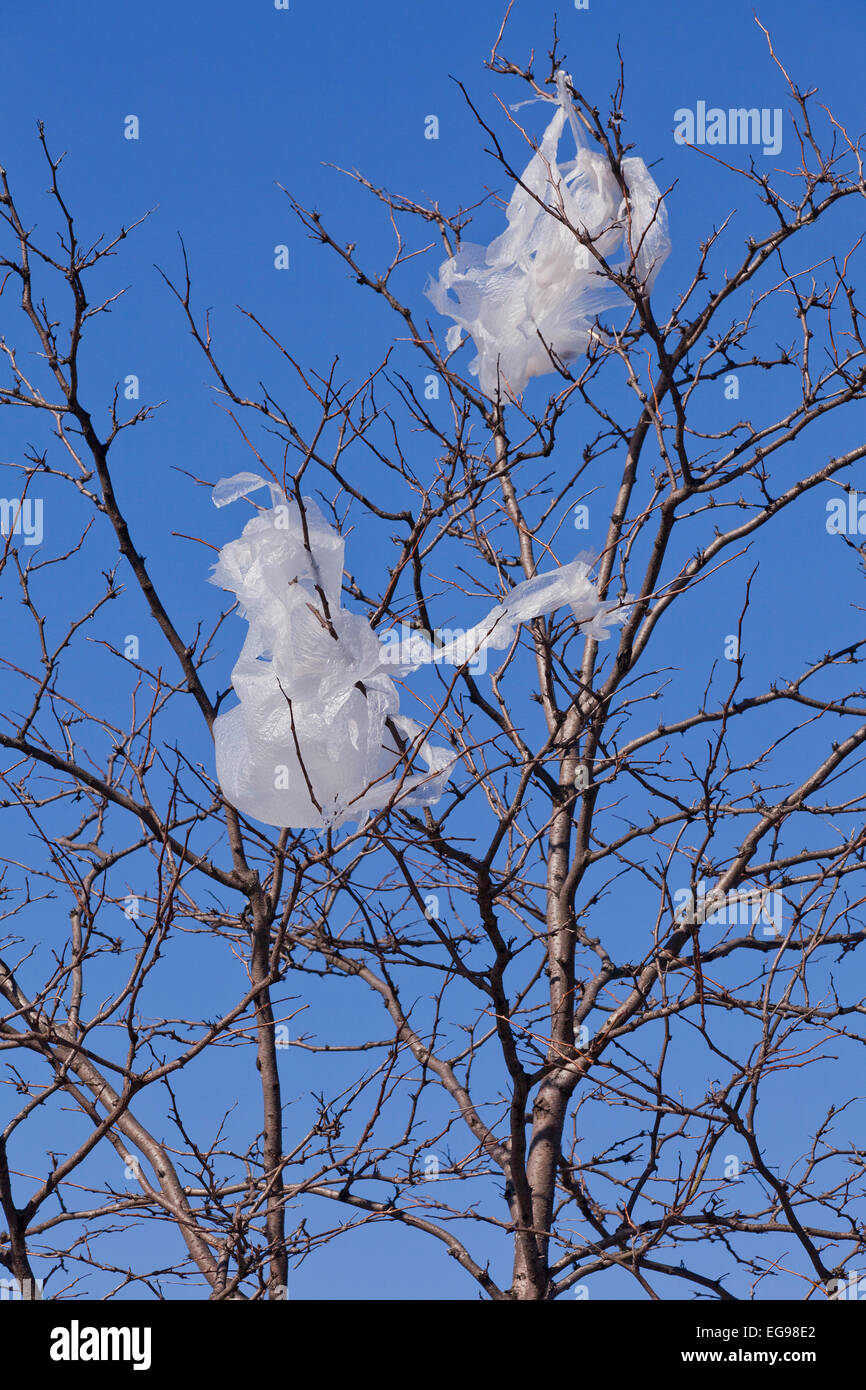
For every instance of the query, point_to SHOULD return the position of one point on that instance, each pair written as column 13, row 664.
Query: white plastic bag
column 305, row 747
column 313, row 741
column 536, row 287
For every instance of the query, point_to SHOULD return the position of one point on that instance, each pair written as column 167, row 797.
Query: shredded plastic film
column 317, row 738
column 529, row 299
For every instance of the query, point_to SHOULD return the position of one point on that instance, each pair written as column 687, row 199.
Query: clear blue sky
column 234, row 97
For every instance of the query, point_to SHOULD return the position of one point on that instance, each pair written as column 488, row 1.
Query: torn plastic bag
column 317, row 738
column 569, row 586
column 535, row 290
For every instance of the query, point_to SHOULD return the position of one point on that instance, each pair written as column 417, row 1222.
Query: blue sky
column 233, row 98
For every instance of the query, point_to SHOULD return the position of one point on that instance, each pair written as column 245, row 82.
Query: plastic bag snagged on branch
column 535, row 290
column 317, row 738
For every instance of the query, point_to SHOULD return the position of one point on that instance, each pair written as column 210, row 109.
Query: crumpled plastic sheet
column 311, row 743
column 536, row 287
